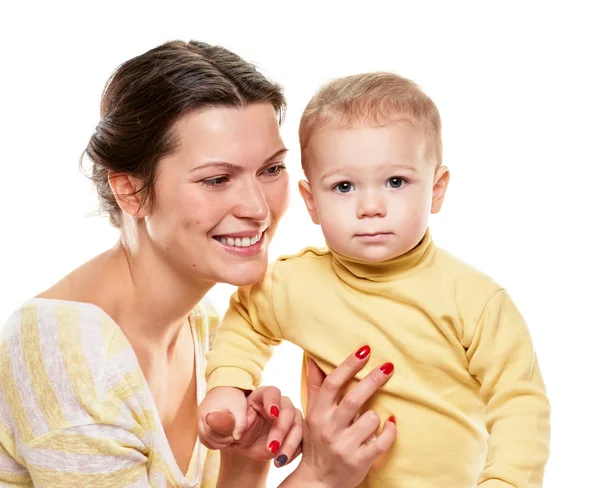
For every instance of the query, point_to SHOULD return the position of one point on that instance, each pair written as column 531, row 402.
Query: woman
column 102, row 373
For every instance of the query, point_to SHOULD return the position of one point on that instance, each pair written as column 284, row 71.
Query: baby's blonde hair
column 376, row 99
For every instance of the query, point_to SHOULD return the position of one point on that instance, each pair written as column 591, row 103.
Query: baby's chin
column 379, row 254
column 375, row 255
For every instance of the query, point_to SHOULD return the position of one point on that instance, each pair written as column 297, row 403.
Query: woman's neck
column 142, row 293
column 152, row 301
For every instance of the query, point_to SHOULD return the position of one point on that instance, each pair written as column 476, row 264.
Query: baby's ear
column 309, row 200
column 440, row 184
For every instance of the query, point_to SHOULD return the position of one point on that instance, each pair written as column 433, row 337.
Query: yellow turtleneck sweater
column 464, row 360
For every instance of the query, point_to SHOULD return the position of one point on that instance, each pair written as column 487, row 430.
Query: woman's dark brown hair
column 147, row 94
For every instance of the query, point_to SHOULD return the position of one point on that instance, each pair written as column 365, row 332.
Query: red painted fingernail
column 392, row 419
column 274, row 411
column 363, row 352
column 274, row 446
column 387, row 368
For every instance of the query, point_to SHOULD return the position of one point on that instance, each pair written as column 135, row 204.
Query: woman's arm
column 86, row 455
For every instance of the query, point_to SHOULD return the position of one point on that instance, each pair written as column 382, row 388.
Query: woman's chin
column 245, row 275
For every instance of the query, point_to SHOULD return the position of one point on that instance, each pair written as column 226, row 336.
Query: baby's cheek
column 415, row 227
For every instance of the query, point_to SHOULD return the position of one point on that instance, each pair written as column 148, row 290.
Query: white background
column 517, row 88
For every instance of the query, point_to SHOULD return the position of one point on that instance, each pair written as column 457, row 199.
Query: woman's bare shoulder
column 86, row 283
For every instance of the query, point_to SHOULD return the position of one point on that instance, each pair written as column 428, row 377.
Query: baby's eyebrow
column 332, row 173
column 402, row 166
column 390, row 166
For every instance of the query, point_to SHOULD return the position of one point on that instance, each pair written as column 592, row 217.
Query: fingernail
column 274, row 411
column 281, row 460
column 387, row 368
column 392, row 419
column 274, row 446
column 363, row 352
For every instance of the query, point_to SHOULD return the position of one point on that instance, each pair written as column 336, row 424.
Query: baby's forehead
column 346, row 139
column 360, row 149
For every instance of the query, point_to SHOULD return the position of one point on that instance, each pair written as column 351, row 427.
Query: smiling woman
column 122, row 339
column 101, row 375
column 226, row 180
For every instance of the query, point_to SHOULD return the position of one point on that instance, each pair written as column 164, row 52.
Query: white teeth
column 240, row 241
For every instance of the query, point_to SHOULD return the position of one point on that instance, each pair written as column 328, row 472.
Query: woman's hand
column 337, row 450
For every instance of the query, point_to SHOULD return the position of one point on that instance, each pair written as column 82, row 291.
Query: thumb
column 239, row 410
column 221, row 422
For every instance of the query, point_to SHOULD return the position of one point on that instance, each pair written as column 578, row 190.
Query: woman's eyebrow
column 234, row 167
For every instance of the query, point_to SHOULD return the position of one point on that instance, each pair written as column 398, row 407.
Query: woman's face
column 221, row 194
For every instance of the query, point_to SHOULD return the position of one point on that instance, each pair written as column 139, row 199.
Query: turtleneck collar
column 399, row 267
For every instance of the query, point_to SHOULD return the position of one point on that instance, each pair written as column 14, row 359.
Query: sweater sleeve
column 245, row 338
column 502, row 358
column 62, row 422
column 87, row 455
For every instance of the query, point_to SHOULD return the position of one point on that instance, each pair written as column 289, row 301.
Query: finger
column 212, row 439
column 296, row 454
column 290, row 447
column 363, row 429
column 340, row 376
column 357, row 396
column 371, row 451
column 281, row 427
column 314, row 380
column 221, row 422
column 268, row 399
column 239, row 410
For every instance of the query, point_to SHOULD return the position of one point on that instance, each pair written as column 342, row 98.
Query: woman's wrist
column 239, row 471
column 304, row 477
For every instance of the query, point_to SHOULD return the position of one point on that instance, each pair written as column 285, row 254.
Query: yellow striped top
column 75, row 408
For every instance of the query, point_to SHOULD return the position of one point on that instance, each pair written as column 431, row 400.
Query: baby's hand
column 226, row 409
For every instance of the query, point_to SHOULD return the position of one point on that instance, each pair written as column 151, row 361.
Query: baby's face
column 372, row 189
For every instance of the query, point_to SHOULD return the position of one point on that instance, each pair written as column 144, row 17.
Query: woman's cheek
column 279, row 198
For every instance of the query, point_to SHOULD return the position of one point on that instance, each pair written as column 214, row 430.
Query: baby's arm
column 245, row 338
column 502, row 358
column 242, row 346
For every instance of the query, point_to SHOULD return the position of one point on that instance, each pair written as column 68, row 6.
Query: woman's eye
column 218, row 181
column 274, row 170
column 344, row 187
column 395, row 182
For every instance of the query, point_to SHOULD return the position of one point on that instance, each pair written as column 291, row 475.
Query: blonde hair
column 376, row 99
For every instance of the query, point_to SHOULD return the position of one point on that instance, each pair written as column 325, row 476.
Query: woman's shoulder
column 61, row 364
column 50, row 327
column 58, row 338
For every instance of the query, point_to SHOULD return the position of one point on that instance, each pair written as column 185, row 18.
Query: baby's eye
column 395, row 182
column 343, row 187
